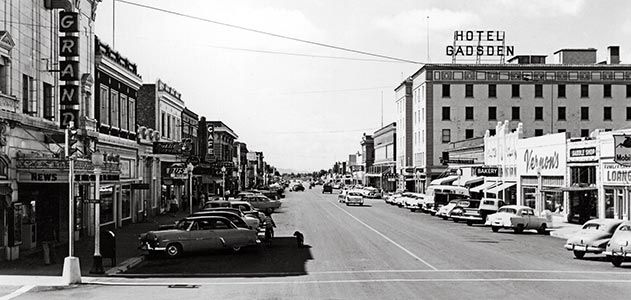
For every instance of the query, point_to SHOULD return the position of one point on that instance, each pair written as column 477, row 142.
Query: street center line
column 385, row 237
column 17, row 292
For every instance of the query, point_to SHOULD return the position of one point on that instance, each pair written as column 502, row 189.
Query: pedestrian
column 269, row 228
column 173, row 205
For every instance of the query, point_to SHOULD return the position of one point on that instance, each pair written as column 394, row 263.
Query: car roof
column 194, row 218
column 214, row 212
column 516, row 206
column 607, row 222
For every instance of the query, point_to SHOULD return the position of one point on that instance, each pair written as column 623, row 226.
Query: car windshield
column 591, row 226
column 184, row 224
column 625, row 228
column 489, row 202
column 508, row 210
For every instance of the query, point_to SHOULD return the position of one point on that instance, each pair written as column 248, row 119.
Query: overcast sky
column 304, row 113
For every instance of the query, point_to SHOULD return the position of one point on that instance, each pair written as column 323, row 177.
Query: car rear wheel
column 519, row 228
column 444, row 218
column 542, row 229
column 579, row 254
column 174, row 250
column 469, row 223
column 412, row 209
column 455, row 220
column 616, row 261
column 236, row 248
column 495, row 228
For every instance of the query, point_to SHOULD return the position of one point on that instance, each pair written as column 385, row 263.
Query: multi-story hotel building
column 450, row 102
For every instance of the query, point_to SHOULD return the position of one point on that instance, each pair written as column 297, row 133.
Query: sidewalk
column 126, row 248
column 561, row 229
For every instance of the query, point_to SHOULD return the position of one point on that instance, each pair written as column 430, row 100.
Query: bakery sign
column 622, row 149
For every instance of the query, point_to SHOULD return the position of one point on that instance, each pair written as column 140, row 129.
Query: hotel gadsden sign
column 479, row 43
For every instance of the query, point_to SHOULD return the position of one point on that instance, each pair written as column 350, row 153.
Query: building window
column 123, row 112
column 584, row 90
column 132, row 114
column 491, row 132
column 628, row 90
column 468, row 91
column 584, row 132
column 538, row 113
column 446, row 113
column 561, row 113
column 4, row 78
column 104, row 107
column 584, row 113
column 628, row 113
column 49, row 102
column 115, row 111
column 468, row 113
column 446, row 91
column 515, row 91
column 446, row 135
column 560, row 130
column 468, row 133
column 168, row 126
column 538, row 132
column 607, row 90
column 561, row 91
column 164, row 132
column 515, row 113
column 492, row 113
column 538, row 91
column 607, row 113
column 492, row 91
column 185, row 128
column 29, row 102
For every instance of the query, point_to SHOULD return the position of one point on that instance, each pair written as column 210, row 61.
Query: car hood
column 588, row 236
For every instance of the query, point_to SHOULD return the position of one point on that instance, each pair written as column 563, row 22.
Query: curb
column 125, row 266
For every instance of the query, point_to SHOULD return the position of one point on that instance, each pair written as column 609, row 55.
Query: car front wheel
column 579, row 254
column 495, row 228
column 236, row 248
column 519, row 228
column 616, row 261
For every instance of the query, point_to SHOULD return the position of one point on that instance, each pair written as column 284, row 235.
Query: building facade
column 382, row 174
column 404, row 143
column 458, row 101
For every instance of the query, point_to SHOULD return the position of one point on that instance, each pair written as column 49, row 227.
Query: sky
column 307, row 112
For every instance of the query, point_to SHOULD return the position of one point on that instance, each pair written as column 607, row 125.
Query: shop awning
column 484, row 186
column 501, row 187
column 444, row 180
column 467, row 181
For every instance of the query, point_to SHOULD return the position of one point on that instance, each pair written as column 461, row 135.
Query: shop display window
column 530, row 199
column 609, row 203
column 107, row 204
column 554, row 202
column 18, row 211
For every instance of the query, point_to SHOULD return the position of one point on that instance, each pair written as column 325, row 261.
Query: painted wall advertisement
column 545, row 154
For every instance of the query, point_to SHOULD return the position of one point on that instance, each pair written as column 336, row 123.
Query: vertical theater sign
column 69, row 68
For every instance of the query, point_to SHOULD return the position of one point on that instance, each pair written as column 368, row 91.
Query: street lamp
column 223, row 183
column 190, row 168
column 97, row 260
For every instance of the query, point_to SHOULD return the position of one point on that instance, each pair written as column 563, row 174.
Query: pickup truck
column 478, row 215
column 517, row 218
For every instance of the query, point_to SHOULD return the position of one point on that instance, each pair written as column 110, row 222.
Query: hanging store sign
column 487, row 171
column 583, row 152
column 622, row 149
column 616, row 174
column 69, row 68
column 479, row 43
column 545, row 155
column 167, row 148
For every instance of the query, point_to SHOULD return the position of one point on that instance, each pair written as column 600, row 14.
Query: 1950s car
column 462, row 207
column 195, row 234
column 354, row 198
column 593, row 237
column 619, row 247
column 518, row 218
column 488, row 206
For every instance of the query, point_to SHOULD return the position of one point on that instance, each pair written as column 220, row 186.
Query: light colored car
column 372, row 193
column 196, row 234
column 593, row 237
column 355, row 198
column 445, row 210
column 618, row 249
column 488, row 206
column 263, row 203
column 517, row 218
column 413, row 202
column 400, row 201
column 390, row 197
column 254, row 221
column 464, row 205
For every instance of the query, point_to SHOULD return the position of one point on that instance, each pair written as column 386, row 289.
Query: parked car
column 195, row 234
column 372, row 193
column 298, row 187
column 235, row 218
column 445, row 210
column 327, row 188
column 263, row 203
column 341, row 197
column 354, row 198
column 217, row 203
column 593, row 237
column 413, row 202
column 618, row 249
column 400, row 201
column 517, row 218
column 390, row 198
column 438, row 195
column 487, row 207
column 252, row 219
column 457, row 213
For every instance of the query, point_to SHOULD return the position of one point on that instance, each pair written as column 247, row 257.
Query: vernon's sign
column 536, row 162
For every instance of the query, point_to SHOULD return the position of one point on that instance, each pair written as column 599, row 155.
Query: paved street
column 372, row 252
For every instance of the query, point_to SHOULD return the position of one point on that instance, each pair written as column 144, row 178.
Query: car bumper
column 617, row 253
column 472, row 218
column 572, row 247
column 147, row 247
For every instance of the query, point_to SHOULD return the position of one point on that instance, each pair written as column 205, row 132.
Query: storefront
column 616, row 189
column 541, row 165
column 582, row 190
column 500, row 165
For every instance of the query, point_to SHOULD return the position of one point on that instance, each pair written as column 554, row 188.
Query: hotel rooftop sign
column 479, row 45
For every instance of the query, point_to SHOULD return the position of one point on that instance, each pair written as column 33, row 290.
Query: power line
column 319, row 132
column 266, row 33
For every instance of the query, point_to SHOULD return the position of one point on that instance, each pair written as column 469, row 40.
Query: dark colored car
column 327, row 188
column 298, row 188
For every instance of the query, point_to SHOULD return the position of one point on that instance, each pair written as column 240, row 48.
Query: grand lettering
column 534, row 161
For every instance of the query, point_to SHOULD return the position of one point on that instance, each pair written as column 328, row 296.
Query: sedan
column 198, row 234
column 355, row 198
column 263, row 203
column 593, row 237
column 517, row 218
column 253, row 220
column 619, row 247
